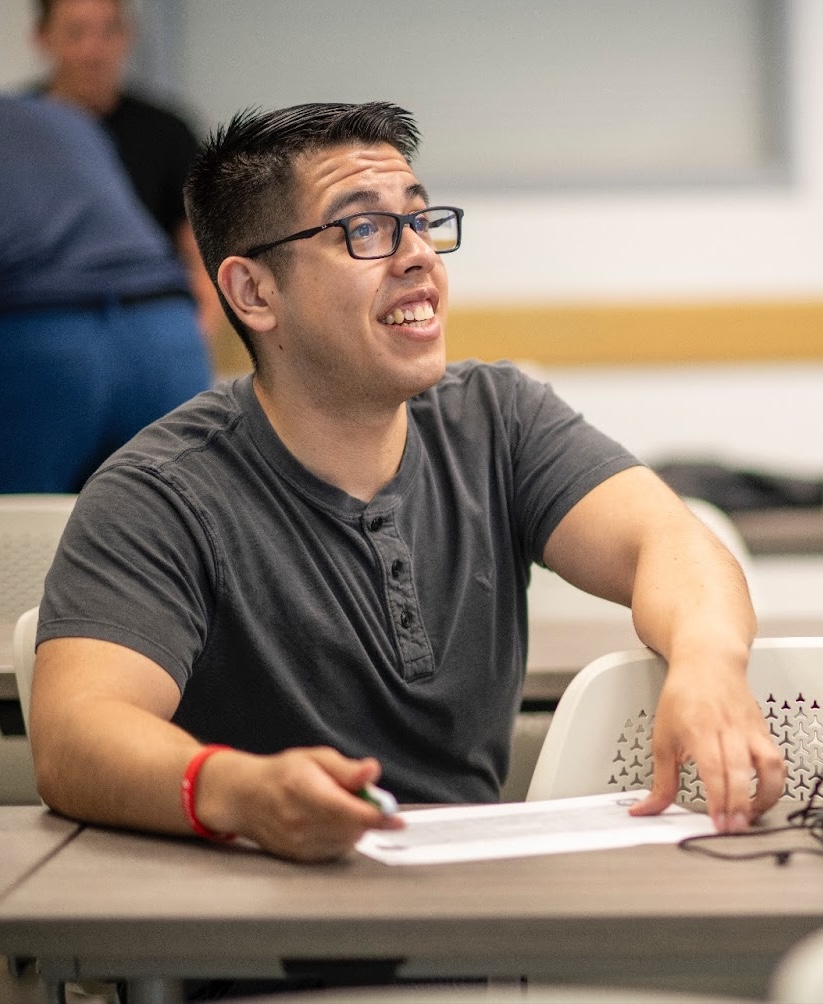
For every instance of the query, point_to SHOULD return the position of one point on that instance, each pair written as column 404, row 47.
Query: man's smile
column 420, row 310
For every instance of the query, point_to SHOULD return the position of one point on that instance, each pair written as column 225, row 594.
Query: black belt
column 101, row 302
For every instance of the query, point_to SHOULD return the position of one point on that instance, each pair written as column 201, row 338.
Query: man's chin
column 428, row 373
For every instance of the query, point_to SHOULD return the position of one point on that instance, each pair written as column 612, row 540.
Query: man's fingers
column 726, row 768
column 665, row 783
column 308, row 807
column 770, row 768
column 351, row 776
column 728, row 785
column 349, row 773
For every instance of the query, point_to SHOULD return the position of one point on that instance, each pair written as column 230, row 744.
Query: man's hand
column 298, row 804
column 707, row 714
column 104, row 711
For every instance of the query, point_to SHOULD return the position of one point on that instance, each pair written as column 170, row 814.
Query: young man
column 323, row 566
column 87, row 44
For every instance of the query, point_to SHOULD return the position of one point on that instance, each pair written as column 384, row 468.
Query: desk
column 111, row 904
column 28, row 836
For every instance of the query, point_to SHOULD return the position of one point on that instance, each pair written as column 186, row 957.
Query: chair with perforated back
column 599, row 739
column 30, row 529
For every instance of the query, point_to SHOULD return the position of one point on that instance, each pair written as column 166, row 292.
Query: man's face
column 333, row 336
column 87, row 42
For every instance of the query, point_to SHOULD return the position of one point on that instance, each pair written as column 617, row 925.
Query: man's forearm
column 113, row 764
column 691, row 596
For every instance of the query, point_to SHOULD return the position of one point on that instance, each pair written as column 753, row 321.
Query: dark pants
column 75, row 384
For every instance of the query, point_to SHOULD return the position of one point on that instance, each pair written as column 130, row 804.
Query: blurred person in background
column 98, row 328
column 87, row 45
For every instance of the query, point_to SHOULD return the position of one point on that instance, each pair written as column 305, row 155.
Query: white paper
column 520, row 829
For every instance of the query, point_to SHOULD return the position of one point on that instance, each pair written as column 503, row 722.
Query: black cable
column 807, row 819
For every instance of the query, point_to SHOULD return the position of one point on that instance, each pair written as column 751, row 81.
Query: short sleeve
column 558, row 458
column 136, row 567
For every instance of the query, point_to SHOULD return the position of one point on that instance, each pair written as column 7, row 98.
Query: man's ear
column 251, row 292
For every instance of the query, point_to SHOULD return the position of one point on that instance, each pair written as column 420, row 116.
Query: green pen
column 381, row 799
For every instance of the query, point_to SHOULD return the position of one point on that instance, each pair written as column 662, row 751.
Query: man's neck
column 358, row 453
column 99, row 103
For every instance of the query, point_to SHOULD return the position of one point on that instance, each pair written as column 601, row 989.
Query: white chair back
column 798, row 978
column 599, row 739
column 25, row 633
column 30, row 530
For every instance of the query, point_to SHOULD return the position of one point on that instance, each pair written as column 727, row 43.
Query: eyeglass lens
column 377, row 235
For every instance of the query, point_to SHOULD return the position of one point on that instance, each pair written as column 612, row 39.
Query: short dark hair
column 240, row 190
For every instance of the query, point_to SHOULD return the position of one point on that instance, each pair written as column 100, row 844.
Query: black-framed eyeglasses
column 377, row 235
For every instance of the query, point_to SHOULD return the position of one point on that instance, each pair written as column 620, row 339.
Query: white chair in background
column 599, row 739
column 798, row 978
column 24, row 636
column 25, row 633
column 30, row 529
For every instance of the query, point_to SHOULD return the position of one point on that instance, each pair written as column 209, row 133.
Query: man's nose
column 414, row 246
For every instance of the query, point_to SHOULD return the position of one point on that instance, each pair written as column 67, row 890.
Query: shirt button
column 376, row 523
column 406, row 618
column 396, row 568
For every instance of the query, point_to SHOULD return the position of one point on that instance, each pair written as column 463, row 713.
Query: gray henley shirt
column 291, row 614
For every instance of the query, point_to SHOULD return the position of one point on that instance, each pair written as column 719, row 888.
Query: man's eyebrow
column 417, row 191
column 362, row 197
column 370, row 197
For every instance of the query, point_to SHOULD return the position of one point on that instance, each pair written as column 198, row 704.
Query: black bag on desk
column 740, row 490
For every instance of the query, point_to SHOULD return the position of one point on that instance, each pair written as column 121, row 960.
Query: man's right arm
column 106, row 751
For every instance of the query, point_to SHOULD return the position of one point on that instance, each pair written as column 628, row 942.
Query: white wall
column 686, row 245
column 560, row 246
column 761, row 415
column 589, row 246
column 513, row 93
column 17, row 59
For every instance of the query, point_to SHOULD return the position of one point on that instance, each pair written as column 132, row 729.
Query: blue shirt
column 72, row 231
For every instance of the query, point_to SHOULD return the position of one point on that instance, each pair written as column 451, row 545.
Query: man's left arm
column 633, row 541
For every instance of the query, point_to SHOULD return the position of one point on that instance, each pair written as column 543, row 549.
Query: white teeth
column 419, row 312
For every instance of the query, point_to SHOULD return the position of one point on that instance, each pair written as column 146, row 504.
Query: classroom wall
column 689, row 244
column 607, row 286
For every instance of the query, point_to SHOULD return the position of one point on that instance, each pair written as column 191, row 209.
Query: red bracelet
column 188, row 791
